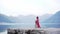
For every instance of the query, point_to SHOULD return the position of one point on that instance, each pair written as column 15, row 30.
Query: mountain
column 44, row 17
column 22, row 19
column 54, row 18
column 13, row 19
column 31, row 18
column 26, row 19
column 4, row 18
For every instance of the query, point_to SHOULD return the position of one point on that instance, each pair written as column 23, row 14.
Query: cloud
column 27, row 7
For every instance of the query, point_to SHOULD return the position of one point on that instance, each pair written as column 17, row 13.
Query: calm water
column 4, row 26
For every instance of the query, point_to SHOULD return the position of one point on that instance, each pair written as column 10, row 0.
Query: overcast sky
column 29, row 7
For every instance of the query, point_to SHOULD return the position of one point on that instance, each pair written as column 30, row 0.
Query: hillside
column 54, row 19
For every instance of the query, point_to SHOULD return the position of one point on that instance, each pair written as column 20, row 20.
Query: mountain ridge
column 54, row 18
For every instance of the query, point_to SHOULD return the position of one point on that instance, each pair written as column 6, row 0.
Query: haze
column 29, row 7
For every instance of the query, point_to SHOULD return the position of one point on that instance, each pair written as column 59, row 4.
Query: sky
column 29, row 7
